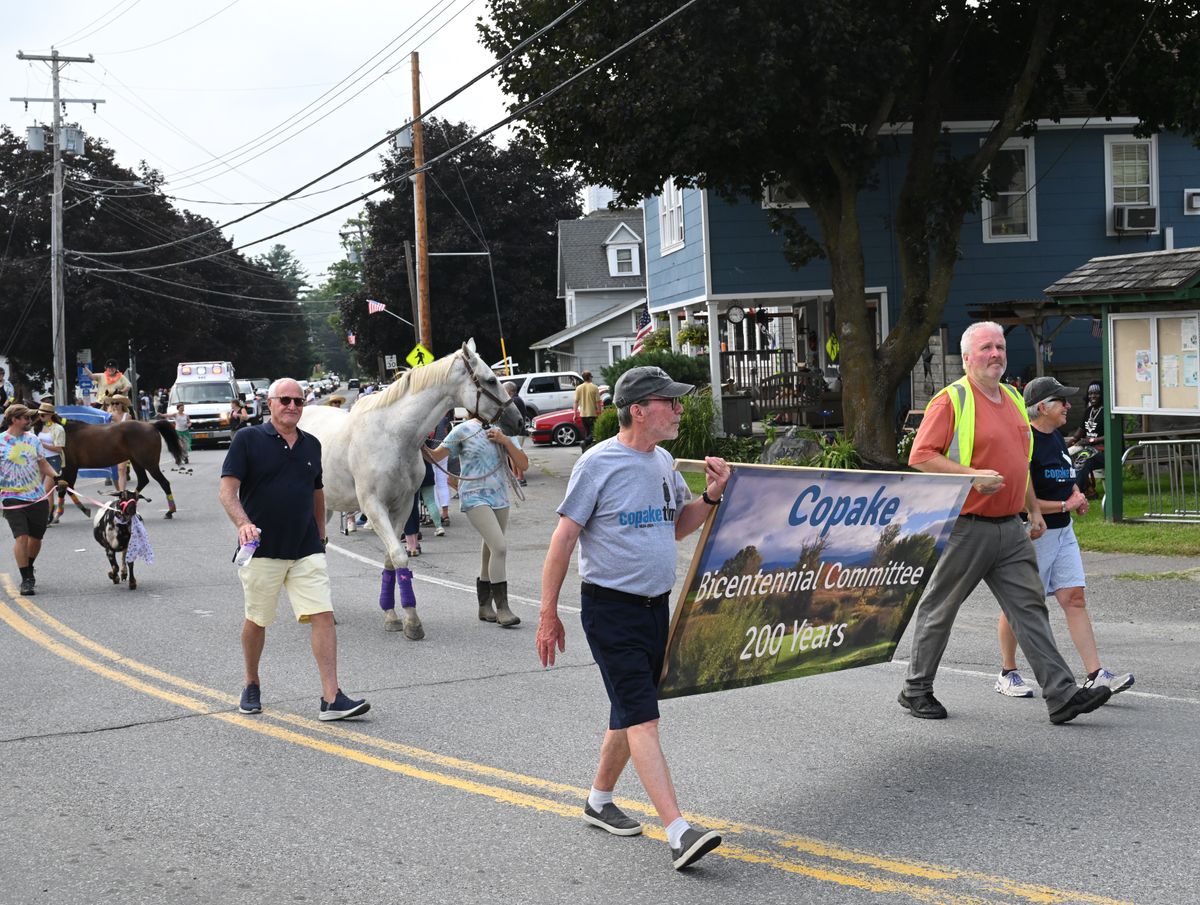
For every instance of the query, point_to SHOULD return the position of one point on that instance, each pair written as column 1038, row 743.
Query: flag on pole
column 350, row 337
column 374, row 307
column 645, row 328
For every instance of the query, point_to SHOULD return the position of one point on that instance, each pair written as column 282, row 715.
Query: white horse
column 371, row 456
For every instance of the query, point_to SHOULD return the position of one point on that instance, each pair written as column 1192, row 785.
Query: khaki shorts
column 306, row 581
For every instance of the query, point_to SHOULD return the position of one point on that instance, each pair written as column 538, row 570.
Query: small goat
column 112, row 526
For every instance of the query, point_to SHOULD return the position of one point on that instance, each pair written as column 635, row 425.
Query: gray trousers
column 1001, row 554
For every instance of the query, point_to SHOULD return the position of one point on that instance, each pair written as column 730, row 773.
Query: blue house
column 1080, row 188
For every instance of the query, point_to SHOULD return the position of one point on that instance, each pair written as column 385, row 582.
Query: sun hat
column 46, row 408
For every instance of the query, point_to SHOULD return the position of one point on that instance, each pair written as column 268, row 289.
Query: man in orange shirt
column 979, row 426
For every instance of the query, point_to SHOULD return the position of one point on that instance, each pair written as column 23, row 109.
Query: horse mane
column 409, row 382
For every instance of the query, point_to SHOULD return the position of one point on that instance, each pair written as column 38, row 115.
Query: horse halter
column 481, row 391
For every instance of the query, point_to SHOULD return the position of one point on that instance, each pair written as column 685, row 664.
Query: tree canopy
column 738, row 95
column 503, row 199
column 226, row 307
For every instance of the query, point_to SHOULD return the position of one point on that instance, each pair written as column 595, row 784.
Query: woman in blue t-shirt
column 484, row 453
column 1056, row 487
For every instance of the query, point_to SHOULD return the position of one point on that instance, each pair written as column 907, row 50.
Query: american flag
column 374, row 307
column 645, row 328
column 350, row 337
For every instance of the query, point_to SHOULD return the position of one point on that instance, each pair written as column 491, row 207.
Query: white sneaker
column 1105, row 679
column 1013, row 686
column 440, row 532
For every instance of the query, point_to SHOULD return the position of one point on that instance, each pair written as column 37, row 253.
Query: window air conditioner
column 1135, row 219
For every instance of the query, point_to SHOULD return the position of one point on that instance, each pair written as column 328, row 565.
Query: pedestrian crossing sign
column 418, row 356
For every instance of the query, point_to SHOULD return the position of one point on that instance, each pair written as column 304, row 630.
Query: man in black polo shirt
column 271, row 488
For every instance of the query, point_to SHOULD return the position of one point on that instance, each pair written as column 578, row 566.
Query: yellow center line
column 265, row 725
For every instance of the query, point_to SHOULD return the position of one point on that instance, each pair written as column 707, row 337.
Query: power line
column 428, row 112
column 71, row 38
column 236, row 312
column 117, row 53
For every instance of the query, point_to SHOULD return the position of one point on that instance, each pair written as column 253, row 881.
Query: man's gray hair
column 964, row 344
column 624, row 416
column 510, row 388
column 272, row 390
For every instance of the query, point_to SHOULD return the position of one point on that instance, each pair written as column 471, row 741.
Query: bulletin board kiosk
column 1150, row 304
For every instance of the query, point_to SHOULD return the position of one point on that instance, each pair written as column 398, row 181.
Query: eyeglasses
column 1058, row 399
column 297, row 401
column 673, row 403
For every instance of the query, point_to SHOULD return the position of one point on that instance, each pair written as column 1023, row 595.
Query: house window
column 623, row 261
column 1130, row 174
column 783, row 194
column 619, row 349
column 1012, row 215
column 670, row 218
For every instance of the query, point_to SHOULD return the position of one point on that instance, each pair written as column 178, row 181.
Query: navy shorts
column 628, row 642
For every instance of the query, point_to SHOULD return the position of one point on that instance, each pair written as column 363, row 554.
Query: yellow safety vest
column 962, row 400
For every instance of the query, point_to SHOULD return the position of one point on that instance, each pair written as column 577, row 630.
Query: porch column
column 714, row 367
column 673, row 325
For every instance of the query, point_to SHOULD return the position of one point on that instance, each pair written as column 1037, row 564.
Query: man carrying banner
column 979, row 426
column 627, row 507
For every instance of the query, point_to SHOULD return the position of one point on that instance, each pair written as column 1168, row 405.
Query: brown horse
column 137, row 442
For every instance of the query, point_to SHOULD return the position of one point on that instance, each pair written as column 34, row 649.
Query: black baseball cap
column 1042, row 388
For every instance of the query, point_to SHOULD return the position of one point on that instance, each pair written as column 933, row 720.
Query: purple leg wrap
column 404, row 579
column 387, row 590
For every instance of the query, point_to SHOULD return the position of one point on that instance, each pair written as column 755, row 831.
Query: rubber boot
column 505, row 617
column 483, row 590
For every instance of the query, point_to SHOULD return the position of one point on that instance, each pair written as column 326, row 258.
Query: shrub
column 695, row 439
column 605, row 425
column 837, row 452
column 684, row 368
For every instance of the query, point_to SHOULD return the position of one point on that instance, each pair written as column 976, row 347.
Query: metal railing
column 1171, row 469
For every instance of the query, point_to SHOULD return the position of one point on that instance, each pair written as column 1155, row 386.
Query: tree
column 285, row 267
column 735, row 96
column 225, row 307
column 506, row 200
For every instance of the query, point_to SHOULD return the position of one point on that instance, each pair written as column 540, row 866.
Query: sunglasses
column 1058, row 399
column 297, row 401
column 673, row 403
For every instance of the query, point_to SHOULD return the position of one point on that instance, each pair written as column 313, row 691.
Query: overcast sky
column 228, row 98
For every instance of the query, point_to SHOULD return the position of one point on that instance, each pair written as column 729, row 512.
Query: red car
column 562, row 427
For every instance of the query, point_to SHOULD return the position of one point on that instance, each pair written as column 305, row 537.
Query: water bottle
column 246, row 552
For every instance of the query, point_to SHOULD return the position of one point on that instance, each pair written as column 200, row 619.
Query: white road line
column 992, row 675
column 442, row 582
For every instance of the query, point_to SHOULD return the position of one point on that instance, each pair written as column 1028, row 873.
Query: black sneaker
column 1085, row 700
column 611, row 818
column 923, row 706
column 342, row 708
column 27, row 587
column 251, row 699
column 695, row 844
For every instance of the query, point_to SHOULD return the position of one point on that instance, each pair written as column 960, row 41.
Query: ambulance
column 206, row 389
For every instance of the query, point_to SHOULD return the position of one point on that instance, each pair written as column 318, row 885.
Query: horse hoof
column 391, row 622
column 169, row 515
column 133, row 585
column 413, row 630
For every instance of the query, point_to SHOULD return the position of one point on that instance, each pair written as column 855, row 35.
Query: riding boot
column 483, row 590
column 505, row 617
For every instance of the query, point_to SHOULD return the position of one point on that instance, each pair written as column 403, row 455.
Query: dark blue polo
column 278, row 482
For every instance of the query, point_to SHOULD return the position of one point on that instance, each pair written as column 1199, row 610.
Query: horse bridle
column 481, row 391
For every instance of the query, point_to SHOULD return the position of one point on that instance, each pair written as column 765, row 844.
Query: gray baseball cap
column 1042, row 388
column 638, row 383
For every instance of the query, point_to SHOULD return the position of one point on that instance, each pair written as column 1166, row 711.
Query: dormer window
column 622, row 247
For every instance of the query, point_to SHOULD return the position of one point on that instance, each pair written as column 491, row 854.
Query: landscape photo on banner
column 804, row 571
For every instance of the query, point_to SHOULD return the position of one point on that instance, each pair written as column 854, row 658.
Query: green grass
column 1185, row 575
column 1156, row 539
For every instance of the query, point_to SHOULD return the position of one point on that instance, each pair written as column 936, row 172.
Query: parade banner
column 803, row 571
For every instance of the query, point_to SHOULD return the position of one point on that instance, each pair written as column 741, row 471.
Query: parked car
column 547, row 391
column 562, row 428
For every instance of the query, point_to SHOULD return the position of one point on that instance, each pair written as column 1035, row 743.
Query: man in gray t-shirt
column 626, row 507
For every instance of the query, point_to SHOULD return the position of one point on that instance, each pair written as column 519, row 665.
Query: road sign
column 84, row 357
column 389, row 362
column 419, row 356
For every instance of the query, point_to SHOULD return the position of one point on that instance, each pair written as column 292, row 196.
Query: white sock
column 675, row 830
column 598, row 799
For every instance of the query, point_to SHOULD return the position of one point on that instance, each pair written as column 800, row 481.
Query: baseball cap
column 647, row 380
column 16, row 410
column 1040, row 389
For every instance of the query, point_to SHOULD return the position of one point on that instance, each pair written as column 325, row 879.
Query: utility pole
column 57, row 299
column 423, row 322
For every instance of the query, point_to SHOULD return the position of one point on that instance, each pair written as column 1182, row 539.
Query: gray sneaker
column 695, row 844
column 611, row 818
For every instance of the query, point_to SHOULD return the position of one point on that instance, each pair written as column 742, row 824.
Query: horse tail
column 171, row 438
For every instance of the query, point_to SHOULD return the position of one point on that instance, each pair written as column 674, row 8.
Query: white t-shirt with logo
column 627, row 502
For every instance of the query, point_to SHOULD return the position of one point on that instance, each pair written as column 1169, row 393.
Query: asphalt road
column 129, row 777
